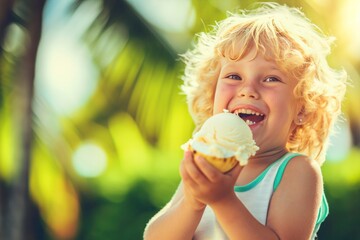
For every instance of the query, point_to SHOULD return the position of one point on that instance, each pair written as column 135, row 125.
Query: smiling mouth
column 250, row 117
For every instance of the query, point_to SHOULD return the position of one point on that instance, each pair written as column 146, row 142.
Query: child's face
column 262, row 95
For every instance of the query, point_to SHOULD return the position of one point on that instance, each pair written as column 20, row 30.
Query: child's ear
column 300, row 117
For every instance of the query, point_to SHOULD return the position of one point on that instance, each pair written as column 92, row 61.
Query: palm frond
column 142, row 78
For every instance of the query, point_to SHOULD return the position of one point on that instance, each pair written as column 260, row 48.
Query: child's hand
column 195, row 203
column 205, row 183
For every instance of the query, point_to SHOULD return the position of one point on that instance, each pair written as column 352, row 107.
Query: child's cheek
column 223, row 94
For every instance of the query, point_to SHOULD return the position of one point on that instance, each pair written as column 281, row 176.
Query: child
column 267, row 65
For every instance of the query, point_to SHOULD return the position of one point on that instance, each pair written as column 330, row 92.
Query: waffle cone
column 223, row 164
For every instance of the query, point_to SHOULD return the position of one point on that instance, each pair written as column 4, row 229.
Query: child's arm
column 295, row 204
column 178, row 219
column 292, row 211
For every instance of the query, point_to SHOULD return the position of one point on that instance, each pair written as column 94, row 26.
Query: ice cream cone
column 223, row 140
column 223, row 164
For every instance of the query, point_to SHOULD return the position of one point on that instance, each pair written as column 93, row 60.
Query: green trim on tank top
column 281, row 169
column 261, row 176
column 324, row 207
column 323, row 211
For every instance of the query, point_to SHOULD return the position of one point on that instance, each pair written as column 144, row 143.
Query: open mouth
column 250, row 117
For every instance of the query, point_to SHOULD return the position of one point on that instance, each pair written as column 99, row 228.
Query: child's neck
column 258, row 164
column 267, row 157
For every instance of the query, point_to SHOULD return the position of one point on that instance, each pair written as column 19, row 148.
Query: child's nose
column 248, row 91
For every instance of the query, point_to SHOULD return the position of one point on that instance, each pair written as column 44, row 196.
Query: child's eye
column 234, row 77
column 272, row 79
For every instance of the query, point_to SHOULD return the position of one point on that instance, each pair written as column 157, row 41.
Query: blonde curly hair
column 284, row 35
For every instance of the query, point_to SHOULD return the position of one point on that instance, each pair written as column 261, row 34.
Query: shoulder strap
column 281, row 169
column 324, row 207
column 323, row 211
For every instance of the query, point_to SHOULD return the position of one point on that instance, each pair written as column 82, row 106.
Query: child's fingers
column 183, row 172
column 207, row 169
column 190, row 172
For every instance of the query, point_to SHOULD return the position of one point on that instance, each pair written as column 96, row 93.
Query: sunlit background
column 108, row 118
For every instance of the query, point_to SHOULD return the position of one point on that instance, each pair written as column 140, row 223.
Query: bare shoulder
column 296, row 201
column 303, row 169
column 301, row 176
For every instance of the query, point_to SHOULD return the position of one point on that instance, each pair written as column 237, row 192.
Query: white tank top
column 255, row 196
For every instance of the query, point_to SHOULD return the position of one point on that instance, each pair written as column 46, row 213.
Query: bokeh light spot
column 89, row 160
column 340, row 142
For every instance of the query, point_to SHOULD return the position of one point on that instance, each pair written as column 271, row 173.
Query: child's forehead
column 239, row 46
column 252, row 56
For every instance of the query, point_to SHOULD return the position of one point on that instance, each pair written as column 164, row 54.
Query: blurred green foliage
column 342, row 188
column 138, row 117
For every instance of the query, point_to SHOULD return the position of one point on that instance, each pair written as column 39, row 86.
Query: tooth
column 247, row 111
column 249, row 123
